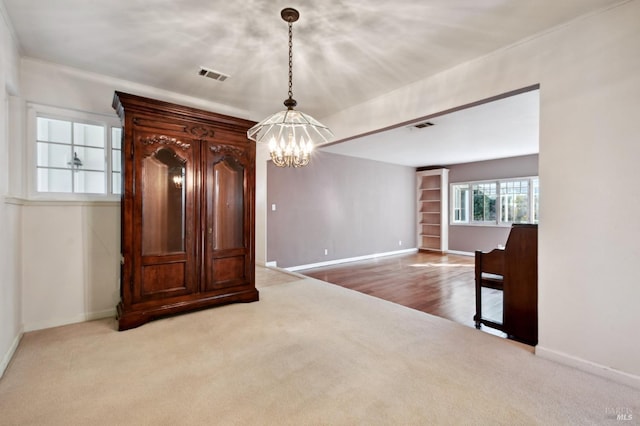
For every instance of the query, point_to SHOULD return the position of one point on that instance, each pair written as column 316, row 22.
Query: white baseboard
column 461, row 253
column 12, row 350
column 271, row 264
column 349, row 259
column 589, row 367
column 89, row 316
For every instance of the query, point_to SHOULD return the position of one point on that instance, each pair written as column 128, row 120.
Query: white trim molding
column 350, row 259
column 95, row 202
column 461, row 253
column 588, row 366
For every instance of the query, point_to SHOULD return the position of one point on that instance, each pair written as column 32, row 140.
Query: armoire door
column 164, row 223
column 228, row 221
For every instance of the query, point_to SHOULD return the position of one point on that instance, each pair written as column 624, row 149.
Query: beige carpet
column 309, row 353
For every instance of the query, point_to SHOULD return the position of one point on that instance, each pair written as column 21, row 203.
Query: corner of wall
column 11, row 329
column 6, row 359
column 74, row 319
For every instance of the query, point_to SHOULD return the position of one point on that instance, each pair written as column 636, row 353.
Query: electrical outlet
column 273, row 207
column 326, row 252
column 400, row 242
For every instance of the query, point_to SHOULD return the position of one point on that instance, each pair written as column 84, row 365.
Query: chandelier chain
column 290, row 59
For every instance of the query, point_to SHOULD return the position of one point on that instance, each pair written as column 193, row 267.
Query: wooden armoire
column 187, row 215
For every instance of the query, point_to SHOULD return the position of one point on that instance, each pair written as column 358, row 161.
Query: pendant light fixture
column 291, row 134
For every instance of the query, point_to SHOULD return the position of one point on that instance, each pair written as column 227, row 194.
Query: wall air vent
column 423, row 125
column 216, row 75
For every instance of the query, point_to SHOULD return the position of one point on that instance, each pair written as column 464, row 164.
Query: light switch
column 273, row 207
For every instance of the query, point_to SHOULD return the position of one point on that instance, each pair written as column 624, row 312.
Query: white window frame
column 498, row 222
column 107, row 121
column 455, row 206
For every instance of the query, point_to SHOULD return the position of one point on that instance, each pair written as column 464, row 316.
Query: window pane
column 53, row 155
column 514, row 201
column 91, row 158
column 461, row 203
column 53, row 180
column 89, row 182
column 72, row 156
column 163, row 204
column 116, row 137
column 88, row 134
column 536, row 193
column 115, row 160
column 53, row 130
column 228, row 203
column 484, row 202
column 115, row 183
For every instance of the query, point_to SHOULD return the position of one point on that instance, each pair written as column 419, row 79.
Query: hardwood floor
column 441, row 285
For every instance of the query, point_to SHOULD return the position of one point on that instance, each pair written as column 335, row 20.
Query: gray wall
column 349, row 206
column 468, row 238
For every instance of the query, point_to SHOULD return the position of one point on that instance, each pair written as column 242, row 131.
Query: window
column 116, row 163
column 514, row 201
column 460, row 203
column 484, row 202
column 535, row 184
column 495, row 202
column 77, row 154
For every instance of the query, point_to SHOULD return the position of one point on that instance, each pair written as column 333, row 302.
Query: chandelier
column 290, row 134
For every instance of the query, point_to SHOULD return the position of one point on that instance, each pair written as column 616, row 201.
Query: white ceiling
column 503, row 128
column 345, row 52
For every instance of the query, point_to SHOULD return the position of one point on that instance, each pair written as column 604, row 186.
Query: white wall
column 10, row 291
column 589, row 114
column 262, row 156
column 10, row 269
column 72, row 262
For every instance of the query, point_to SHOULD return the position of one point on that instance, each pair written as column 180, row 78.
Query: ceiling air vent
column 423, row 125
column 216, row 75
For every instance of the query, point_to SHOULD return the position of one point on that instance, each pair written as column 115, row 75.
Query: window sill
column 88, row 201
column 483, row 225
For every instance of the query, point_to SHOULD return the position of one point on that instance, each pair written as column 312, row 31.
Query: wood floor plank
column 438, row 284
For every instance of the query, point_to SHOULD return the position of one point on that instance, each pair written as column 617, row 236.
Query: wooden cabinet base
column 135, row 316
